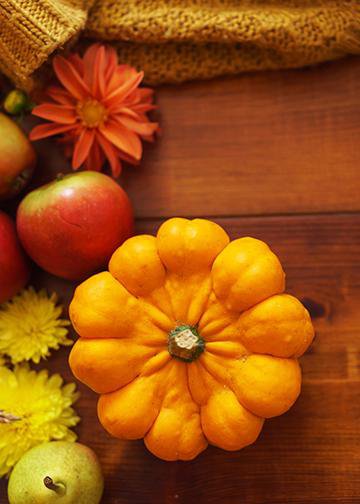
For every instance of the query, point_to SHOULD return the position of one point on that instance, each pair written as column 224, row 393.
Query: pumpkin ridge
column 156, row 363
column 188, row 295
column 205, row 364
column 156, row 315
column 166, row 288
column 219, row 389
column 161, row 391
column 147, row 302
column 188, row 385
column 236, row 348
column 84, row 372
column 111, row 421
column 218, row 322
column 238, row 330
column 144, row 305
column 228, row 382
column 176, row 402
column 266, row 391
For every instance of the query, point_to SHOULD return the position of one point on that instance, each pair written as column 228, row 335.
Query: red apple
column 17, row 158
column 14, row 270
column 72, row 226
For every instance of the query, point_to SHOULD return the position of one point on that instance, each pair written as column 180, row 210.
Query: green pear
column 57, row 472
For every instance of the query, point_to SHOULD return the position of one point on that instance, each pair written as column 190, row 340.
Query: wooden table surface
column 275, row 156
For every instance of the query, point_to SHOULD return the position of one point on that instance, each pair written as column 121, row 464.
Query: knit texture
column 177, row 40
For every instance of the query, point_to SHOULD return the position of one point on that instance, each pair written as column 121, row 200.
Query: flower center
column 92, row 113
column 185, row 343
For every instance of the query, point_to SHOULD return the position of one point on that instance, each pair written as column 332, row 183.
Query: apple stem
column 57, row 487
column 8, row 417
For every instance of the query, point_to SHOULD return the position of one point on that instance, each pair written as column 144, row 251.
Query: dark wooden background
column 275, row 156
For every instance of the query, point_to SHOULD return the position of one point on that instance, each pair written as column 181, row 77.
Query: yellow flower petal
column 30, row 325
column 35, row 408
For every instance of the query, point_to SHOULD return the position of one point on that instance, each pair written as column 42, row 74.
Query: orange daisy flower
column 100, row 109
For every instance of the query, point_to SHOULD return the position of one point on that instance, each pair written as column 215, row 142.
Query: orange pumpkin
column 189, row 339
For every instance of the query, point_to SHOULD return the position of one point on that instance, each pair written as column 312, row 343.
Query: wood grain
column 258, row 144
column 278, row 143
column 312, row 453
column 266, row 143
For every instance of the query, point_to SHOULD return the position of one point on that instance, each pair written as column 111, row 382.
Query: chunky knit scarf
column 177, row 40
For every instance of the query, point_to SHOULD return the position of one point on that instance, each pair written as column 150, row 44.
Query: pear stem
column 56, row 487
column 8, row 417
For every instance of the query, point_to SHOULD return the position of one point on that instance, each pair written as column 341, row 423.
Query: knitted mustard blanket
column 177, row 40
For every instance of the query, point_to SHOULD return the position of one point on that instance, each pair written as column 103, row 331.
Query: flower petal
column 46, row 412
column 146, row 94
column 60, row 95
column 148, row 138
column 89, row 64
column 95, row 67
column 121, row 92
column 143, row 107
column 78, row 63
column 118, row 108
column 111, row 154
column 121, row 74
column 122, row 138
column 141, row 128
column 49, row 129
column 111, row 62
column 127, row 158
column 30, row 326
column 61, row 114
column 99, row 72
column 82, row 147
column 70, row 78
column 96, row 158
column 140, row 95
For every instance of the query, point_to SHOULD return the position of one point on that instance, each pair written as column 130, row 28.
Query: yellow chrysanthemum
column 34, row 408
column 30, row 325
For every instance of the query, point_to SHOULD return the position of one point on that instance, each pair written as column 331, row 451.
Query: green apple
column 57, row 472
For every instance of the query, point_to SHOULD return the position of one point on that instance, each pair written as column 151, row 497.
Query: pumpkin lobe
column 185, row 343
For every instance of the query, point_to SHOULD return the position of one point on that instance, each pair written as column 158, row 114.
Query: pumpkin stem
column 185, row 343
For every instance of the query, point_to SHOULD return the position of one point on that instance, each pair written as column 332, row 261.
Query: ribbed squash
column 189, row 339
